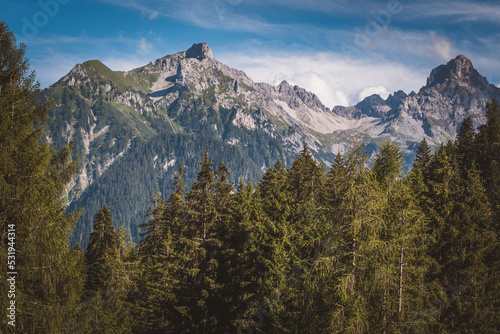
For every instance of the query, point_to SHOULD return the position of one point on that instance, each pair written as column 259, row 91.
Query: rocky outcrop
column 284, row 112
column 199, row 51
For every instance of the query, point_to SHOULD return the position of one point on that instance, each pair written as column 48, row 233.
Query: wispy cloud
column 413, row 45
column 458, row 11
column 144, row 45
column 333, row 78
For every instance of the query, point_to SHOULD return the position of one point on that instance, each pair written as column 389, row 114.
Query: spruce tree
column 305, row 182
column 487, row 146
column 160, row 260
column 348, row 262
column 400, row 299
column 153, row 230
column 272, row 216
column 423, row 158
column 473, row 307
column 388, row 164
column 33, row 179
column 464, row 145
column 105, row 309
column 191, row 263
column 102, row 252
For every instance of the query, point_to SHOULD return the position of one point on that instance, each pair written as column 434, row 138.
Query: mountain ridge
column 190, row 96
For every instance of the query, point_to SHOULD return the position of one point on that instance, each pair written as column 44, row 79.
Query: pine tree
column 423, row 158
column 464, row 145
column 102, row 252
column 347, row 260
column 272, row 215
column 487, row 146
column 160, row 258
column 190, row 269
column 401, row 299
column 273, row 192
column 33, row 179
column 305, row 182
column 153, row 230
column 105, row 309
column 472, row 240
column 201, row 201
column 388, row 164
column 305, row 178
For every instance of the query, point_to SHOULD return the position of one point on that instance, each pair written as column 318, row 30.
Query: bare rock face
column 199, row 51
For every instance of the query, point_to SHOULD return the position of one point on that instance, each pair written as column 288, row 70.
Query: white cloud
column 153, row 15
column 313, row 82
column 412, row 46
column 457, row 11
column 333, row 78
column 440, row 47
column 369, row 91
column 143, row 44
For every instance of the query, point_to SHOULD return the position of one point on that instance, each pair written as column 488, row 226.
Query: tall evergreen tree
column 102, row 252
column 161, row 257
column 105, row 309
column 355, row 217
column 474, row 304
column 464, row 145
column 487, row 146
column 201, row 201
column 153, row 230
column 305, row 182
column 33, row 179
column 273, row 213
column 423, row 158
column 388, row 164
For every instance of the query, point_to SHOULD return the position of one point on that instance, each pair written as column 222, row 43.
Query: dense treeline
column 362, row 248
column 128, row 198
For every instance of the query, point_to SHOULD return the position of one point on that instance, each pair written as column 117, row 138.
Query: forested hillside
column 119, row 122
column 362, row 248
column 356, row 250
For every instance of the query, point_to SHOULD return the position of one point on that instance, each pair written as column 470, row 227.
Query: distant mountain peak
column 459, row 69
column 199, row 51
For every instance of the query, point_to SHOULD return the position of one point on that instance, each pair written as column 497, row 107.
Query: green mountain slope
column 190, row 97
column 128, row 184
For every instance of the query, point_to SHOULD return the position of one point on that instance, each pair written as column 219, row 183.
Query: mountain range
column 132, row 129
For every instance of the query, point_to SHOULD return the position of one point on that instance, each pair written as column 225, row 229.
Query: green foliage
column 487, row 155
column 102, row 252
column 105, row 308
column 33, row 176
column 388, row 164
column 356, row 250
column 128, row 200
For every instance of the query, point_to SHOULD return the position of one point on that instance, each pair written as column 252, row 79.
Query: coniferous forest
column 358, row 247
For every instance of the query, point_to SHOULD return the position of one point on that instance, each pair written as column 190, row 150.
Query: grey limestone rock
column 199, row 51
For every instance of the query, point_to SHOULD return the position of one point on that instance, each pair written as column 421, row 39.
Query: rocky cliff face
column 109, row 114
column 164, row 91
column 453, row 92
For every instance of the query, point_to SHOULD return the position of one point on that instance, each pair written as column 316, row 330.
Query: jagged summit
column 199, row 51
column 458, row 70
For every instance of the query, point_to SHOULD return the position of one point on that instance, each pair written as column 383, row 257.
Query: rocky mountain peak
column 458, row 70
column 199, row 51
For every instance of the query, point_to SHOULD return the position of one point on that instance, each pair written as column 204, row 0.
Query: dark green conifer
column 102, row 252
column 464, row 144
column 388, row 164
column 33, row 179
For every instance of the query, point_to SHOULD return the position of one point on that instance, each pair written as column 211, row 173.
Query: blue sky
column 340, row 50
